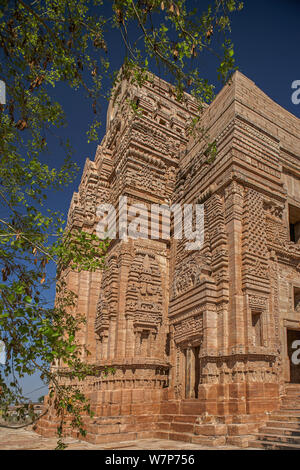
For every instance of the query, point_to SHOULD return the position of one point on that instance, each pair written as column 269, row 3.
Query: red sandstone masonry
column 178, row 326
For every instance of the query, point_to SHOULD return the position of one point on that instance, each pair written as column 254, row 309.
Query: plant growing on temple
column 42, row 44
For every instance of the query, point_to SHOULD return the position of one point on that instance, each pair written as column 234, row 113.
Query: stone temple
column 201, row 340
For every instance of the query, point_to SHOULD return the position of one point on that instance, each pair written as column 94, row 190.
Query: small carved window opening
column 144, row 344
column 168, row 344
column 136, row 101
column 257, row 328
column 294, row 223
column 296, row 295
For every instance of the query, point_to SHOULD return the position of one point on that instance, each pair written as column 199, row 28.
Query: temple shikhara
column 201, row 340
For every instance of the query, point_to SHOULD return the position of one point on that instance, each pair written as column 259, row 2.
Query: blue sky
column 266, row 36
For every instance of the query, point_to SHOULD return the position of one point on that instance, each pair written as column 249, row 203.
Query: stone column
column 120, row 340
column 90, row 337
column 137, row 343
column 111, row 337
column 130, row 339
column 189, row 372
column 234, row 194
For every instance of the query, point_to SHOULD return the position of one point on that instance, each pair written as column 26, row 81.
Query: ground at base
column 25, row 439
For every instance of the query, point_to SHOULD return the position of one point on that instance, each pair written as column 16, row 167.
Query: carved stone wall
column 198, row 332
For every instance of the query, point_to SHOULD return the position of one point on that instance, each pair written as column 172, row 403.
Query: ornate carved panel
column 144, row 297
column 189, row 329
column 107, row 303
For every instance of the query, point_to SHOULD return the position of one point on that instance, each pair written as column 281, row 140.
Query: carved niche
column 144, row 292
column 107, row 303
column 188, row 273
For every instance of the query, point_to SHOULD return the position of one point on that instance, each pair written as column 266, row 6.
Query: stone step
column 292, row 397
column 119, row 428
column 161, row 434
column 286, row 420
column 185, row 418
column 175, row 426
column 280, row 438
column 190, row 419
column 269, row 445
column 290, row 407
column 286, row 414
column 283, row 430
column 163, row 426
column 178, row 418
column 290, row 411
column 181, row 436
column 166, row 418
column 176, row 436
column 283, row 424
column 209, row 441
column 240, row 441
column 295, row 397
column 103, row 429
column 292, row 394
column 192, row 407
column 291, row 400
column 104, row 420
column 182, row 427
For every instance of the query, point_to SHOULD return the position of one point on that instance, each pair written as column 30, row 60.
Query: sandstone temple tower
column 201, row 340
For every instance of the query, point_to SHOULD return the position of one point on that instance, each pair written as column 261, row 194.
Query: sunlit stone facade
column 201, row 340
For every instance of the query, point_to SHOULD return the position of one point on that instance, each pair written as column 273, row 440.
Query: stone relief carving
column 257, row 302
column 144, row 297
column 107, row 303
column 188, row 328
column 188, row 273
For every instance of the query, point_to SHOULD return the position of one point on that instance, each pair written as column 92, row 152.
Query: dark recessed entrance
column 292, row 336
column 197, row 370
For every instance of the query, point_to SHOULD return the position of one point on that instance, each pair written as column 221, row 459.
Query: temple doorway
column 292, row 337
column 192, row 371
